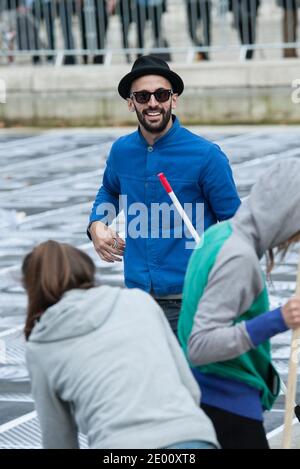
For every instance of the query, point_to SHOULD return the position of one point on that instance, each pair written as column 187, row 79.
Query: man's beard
column 154, row 127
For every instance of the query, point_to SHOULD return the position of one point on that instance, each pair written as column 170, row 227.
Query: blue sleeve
column 106, row 205
column 219, row 186
column 265, row 326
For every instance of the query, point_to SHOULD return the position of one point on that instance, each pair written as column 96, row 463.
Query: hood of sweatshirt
column 77, row 313
column 271, row 213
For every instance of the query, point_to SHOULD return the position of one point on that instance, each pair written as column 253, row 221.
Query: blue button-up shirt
column 199, row 174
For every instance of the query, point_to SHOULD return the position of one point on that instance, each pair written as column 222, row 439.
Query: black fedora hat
column 149, row 65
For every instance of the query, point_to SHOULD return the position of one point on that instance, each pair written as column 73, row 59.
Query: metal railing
column 105, row 31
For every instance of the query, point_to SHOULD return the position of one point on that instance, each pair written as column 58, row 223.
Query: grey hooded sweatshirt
column 105, row 362
column 268, row 217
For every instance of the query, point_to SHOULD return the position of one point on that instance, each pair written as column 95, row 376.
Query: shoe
column 69, row 60
column 98, row 59
column 202, row 56
column 36, row 60
column 290, row 53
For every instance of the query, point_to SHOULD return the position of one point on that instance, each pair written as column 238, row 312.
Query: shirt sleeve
column 106, row 205
column 218, row 185
column 265, row 326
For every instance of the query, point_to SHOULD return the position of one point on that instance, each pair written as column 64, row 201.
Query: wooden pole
column 292, row 380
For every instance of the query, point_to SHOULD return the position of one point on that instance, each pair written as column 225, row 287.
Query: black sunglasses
column 142, row 97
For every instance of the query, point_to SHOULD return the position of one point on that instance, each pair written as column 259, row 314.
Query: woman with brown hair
column 226, row 321
column 104, row 360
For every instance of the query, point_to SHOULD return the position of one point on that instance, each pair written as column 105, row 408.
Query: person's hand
column 291, row 313
column 107, row 242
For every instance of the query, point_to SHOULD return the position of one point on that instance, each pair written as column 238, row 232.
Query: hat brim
column 125, row 84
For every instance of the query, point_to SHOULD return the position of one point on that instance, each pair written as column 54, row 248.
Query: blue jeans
column 192, row 445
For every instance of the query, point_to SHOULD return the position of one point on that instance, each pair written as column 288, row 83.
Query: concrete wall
column 215, row 93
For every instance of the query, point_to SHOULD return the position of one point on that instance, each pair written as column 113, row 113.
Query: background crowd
column 30, row 25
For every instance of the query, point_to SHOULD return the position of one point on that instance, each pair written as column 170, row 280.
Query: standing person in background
column 121, row 379
column 8, row 28
column 94, row 20
column 26, row 27
column 245, row 17
column 30, row 14
column 44, row 10
column 155, row 258
column 151, row 10
column 199, row 13
column 125, row 10
column 139, row 12
column 289, row 25
column 225, row 323
column 66, row 10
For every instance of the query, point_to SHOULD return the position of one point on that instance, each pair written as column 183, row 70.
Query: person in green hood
column 225, row 322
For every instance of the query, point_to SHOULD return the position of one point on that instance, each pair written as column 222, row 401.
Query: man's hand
column 291, row 313
column 107, row 242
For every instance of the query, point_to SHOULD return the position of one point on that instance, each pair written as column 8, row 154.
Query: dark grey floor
column 47, row 183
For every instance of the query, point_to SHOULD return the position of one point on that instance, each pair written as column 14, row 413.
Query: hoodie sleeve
column 233, row 284
column 59, row 430
column 218, row 185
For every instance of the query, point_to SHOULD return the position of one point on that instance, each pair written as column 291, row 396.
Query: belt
column 168, row 297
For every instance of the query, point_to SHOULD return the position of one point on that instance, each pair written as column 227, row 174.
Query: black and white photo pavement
column 48, row 181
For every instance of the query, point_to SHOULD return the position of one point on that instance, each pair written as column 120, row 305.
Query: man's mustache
column 152, row 109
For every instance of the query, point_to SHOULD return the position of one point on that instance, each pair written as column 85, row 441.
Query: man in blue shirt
column 157, row 252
